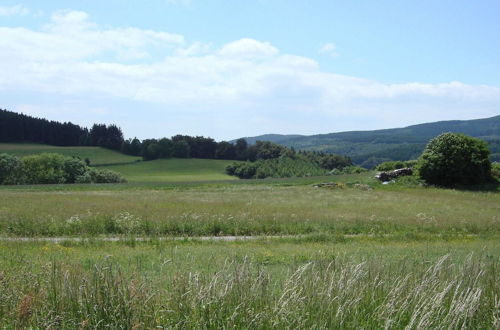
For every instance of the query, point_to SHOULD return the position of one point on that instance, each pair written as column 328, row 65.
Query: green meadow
column 355, row 255
column 174, row 170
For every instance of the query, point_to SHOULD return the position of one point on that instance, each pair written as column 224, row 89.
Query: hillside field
column 174, row 170
column 97, row 155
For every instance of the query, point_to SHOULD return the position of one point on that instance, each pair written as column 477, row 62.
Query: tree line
column 16, row 127
column 184, row 146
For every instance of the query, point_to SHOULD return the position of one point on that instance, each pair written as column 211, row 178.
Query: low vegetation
column 249, row 285
column 394, row 165
column 256, row 207
column 174, row 170
column 49, row 168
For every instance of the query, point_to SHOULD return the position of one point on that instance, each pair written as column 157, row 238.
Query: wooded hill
column 368, row 148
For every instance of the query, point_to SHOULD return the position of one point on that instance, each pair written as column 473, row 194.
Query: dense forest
column 15, row 127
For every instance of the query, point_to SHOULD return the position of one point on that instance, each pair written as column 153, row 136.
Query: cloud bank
column 244, row 82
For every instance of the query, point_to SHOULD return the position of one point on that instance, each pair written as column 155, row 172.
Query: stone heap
column 391, row 175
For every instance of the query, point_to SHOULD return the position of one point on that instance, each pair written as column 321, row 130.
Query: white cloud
column 330, row 49
column 248, row 48
column 13, row 10
column 244, row 81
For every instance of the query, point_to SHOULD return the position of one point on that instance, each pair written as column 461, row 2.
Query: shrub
column 348, row 170
column 10, row 169
column 52, row 168
column 455, row 159
column 495, row 171
column 44, row 168
column 106, row 176
column 395, row 164
column 74, row 168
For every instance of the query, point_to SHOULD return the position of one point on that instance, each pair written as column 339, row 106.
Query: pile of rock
column 391, row 175
column 326, row 185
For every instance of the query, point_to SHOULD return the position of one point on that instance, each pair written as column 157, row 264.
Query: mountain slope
column 276, row 138
column 368, row 148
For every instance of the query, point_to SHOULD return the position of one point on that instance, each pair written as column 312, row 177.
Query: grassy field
column 172, row 170
column 281, row 284
column 360, row 255
column 248, row 209
column 97, row 155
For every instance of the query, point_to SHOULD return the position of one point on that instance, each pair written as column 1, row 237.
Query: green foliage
column 455, row 159
column 97, row 156
column 50, row 168
column 10, row 169
column 495, row 171
column 105, row 176
column 74, row 169
column 282, row 167
column 369, row 148
column 348, row 170
column 394, row 165
column 44, row 169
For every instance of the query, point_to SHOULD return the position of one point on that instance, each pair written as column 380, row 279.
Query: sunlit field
column 356, row 255
column 288, row 283
column 174, row 170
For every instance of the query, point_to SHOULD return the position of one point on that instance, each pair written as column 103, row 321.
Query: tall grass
column 249, row 210
column 335, row 294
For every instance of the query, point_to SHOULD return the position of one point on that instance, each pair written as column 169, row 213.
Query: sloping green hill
column 96, row 155
column 370, row 147
column 276, row 138
column 175, row 170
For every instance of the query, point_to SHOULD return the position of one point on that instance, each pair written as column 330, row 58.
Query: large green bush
column 455, row 159
column 44, row 168
column 10, row 169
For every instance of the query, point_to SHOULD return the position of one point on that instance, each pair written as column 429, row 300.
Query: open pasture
column 351, row 256
column 174, row 170
column 248, row 208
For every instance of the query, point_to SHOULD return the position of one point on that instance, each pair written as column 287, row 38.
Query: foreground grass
column 172, row 170
column 97, row 155
column 265, row 284
column 249, row 209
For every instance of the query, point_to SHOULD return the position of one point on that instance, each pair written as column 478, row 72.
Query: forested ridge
column 22, row 128
column 369, row 148
column 16, row 127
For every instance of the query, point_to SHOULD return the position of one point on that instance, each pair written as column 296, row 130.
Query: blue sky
column 238, row 68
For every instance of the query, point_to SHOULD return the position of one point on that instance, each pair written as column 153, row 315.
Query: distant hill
column 368, row 148
column 276, row 138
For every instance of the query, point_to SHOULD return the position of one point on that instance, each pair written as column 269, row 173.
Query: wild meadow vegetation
column 286, row 284
column 357, row 254
column 318, row 244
